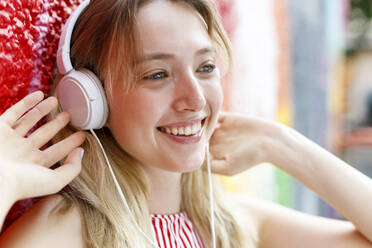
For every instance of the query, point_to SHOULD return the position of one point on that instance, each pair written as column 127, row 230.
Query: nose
column 189, row 94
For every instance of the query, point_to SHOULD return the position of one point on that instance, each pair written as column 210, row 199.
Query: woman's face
column 167, row 119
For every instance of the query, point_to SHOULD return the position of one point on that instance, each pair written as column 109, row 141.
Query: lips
column 185, row 138
column 185, row 123
column 187, row 128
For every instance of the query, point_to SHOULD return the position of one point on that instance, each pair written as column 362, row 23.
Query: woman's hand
column 240, row 142
column 24, row 168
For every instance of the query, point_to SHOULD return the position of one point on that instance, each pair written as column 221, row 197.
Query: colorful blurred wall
column 289, row 57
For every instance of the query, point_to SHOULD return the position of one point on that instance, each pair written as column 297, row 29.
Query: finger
column 46, row 132
column 218, row 125
column 218, row 149
column 69, row 170
column 12, row 114
column 52, row 181
column 222, row 117
column 60, row 150
column 220, row 167
column 26, row 122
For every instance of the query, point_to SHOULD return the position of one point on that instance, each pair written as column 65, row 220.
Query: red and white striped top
column 175, row 231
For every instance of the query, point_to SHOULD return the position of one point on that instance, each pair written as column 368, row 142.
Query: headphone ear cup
column 80, row 93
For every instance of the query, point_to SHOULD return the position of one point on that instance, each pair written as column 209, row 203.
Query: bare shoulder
column 244, row 209
column 247, row 220
column 44, row 225
column 278, row 226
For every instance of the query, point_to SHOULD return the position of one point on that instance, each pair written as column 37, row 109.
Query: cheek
column 214, row 96
column 135, row 115
column 145, row 108
column 130, row 122
column 218, row 96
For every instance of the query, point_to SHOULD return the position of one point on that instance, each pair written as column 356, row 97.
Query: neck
column 165, row 191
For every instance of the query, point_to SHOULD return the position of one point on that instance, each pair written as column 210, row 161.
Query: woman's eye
column 156, row 76
column 207, row 68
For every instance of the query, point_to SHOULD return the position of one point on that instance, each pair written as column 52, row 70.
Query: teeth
column 183, row 131
column 188, row 130
column 174, row 131
column 194, row 128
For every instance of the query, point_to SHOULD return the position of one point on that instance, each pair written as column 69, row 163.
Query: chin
column 185, row 166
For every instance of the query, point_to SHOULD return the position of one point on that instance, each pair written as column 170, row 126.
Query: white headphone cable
column 211, row 199
column 130, row 212
column 121, row 192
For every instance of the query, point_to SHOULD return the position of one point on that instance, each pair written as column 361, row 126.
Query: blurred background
column 306, row 64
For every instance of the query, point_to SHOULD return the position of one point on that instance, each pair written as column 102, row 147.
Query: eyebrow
column 167, row 56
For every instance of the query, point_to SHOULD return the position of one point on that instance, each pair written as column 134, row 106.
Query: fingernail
column 52, row 99
column 39, row 94
column 82, row 154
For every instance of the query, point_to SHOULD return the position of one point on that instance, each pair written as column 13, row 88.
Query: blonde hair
column 105, row 34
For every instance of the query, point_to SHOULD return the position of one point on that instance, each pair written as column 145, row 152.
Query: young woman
column 159, row 62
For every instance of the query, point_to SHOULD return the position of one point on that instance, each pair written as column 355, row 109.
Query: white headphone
column 80, row 93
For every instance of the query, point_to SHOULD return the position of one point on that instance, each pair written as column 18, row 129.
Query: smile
column 183, row 131
column 186, row 130
column 187, row 134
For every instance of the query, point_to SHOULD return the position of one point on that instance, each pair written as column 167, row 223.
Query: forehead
column 165, row 25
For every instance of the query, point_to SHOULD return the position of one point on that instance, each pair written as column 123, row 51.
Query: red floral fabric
column 29, row 34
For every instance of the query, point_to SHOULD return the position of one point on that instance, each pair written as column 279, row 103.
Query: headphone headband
column 63, row 54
